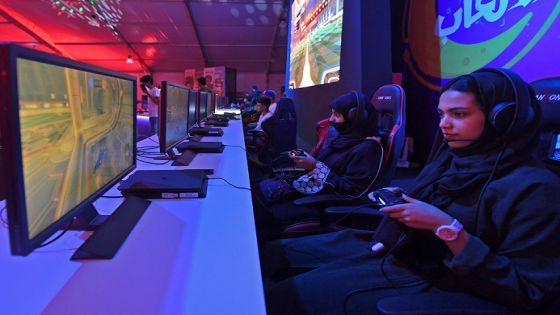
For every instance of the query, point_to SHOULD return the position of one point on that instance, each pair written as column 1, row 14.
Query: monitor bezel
column 211, row 108
column 194, row 96
column 13, row 176
column 163, row 117
column 202, row 104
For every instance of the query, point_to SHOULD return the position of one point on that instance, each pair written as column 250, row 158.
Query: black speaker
column 359, row 112
column 511, row 117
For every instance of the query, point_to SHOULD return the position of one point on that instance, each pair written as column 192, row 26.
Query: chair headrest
column 285, row 107
column 389, row 102
column 548, row 93
column 388, row 98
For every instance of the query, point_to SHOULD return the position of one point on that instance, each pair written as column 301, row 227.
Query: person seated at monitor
column 263, row 107
column 153, row 94
column 482, row 218
column 255, row 94
column 272, row 95
column 249, row 114
column 348, row 164
column 203, row 87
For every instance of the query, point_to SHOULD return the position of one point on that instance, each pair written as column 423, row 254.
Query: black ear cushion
column 359, row 112
column 352, row 114
column 504, row 113
column 501, row 116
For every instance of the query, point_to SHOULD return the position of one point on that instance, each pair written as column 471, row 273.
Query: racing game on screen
column 316, row 38
column 76, row 136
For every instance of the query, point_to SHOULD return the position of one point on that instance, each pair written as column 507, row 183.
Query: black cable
column 149, row 147
column 149, row 154
column 59, row 235
column 225, row 180
column 352, row 211
column 2, row 215
column 152, row 163
column 379, row 167
column 347, row 297
column 494, row 169
column 236, row 146
column 115, row 197
column 389, row 253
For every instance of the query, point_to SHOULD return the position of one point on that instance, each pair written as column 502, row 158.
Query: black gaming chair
column 281, row 131
column 390, row 104
column 548, row 93
column 278, row 135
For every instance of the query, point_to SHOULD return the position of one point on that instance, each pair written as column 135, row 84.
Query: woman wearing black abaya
column 347, row 164
column 483, row 218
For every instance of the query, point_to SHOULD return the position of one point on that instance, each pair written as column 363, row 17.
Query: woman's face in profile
column 462, row 119
column 336, row 117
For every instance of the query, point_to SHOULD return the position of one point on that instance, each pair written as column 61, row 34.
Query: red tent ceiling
column 160, row 35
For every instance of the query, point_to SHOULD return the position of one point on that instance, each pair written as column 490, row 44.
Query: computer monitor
column 210, row 104
column 202, row 105
column 173, row 115
column 68, row 135
column 315, row 42
column 193, row 105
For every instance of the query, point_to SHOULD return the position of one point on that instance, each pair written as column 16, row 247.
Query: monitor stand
column 179, row 159
column 110, row 231
column 184, row 159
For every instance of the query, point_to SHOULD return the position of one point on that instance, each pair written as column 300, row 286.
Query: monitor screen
column 315, row 42
column 202, row 105
column 193, row 98
column 68, row 136
column 210, row 101
column 173, row 115
column 555, row 148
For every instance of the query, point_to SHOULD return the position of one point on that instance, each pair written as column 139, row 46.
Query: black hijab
column 455, row 172
column 352, row 131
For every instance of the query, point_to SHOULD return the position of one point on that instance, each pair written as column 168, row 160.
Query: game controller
column 385, row 197
column 296, row 152
column 389, row 234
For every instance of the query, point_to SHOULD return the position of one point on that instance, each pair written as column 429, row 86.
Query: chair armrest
column 439, row 303
column 369, row 211
column 254, row 132
column 356, row 217
column 323, row 200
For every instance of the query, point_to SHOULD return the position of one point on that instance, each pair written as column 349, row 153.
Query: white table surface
column 185, row 256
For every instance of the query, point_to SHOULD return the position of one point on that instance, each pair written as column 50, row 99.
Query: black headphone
column 511, row 117
column 359, row 112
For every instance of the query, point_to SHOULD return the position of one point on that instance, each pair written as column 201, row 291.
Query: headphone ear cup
column 501, row 116
column 352, row 114
column 359, row 112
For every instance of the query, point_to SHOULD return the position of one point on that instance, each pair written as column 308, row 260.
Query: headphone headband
column 357, row 113
column 510, row 118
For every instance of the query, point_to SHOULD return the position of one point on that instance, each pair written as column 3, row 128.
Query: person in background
column 282, row 91
column 347, row 164
column 153, row 93
column 255, row 93
column 203, row 86
column 263, row 107
column 272, row 95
